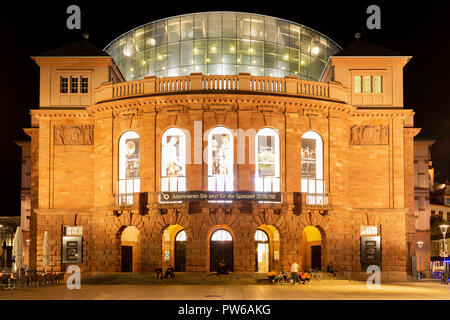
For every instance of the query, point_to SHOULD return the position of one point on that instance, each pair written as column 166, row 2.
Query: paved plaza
column 324, row 290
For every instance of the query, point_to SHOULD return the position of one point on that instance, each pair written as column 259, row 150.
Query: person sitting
column 272, row 274
column 280, row 277
column 304, row 277
column 158, row 273
column 330, row 269
column 170, row 272
column 222, row 269
column 285, row 276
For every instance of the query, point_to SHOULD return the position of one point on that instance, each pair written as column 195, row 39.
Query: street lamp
column 444, row 228
column 420, row 244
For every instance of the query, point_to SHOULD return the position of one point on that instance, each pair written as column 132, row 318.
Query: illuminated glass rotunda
column 222, row 43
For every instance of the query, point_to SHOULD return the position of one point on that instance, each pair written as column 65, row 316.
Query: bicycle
column 315, row 274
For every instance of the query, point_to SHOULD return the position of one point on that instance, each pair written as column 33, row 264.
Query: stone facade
column 75, row 152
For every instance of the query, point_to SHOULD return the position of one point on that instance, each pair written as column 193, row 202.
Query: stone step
column 181, row 278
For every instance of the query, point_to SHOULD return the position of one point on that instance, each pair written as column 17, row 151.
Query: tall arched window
column 312, row 168
column 129, row 167
column 267, row 161
column 173, row 160
column 220, row 159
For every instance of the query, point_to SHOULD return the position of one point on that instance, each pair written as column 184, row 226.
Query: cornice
column 61, row 114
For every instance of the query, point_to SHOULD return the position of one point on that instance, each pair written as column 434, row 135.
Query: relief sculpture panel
column 74, row 135
column 377, row 134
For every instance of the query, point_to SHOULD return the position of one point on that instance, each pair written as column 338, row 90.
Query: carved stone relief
column 369, row 135
column 74, row 135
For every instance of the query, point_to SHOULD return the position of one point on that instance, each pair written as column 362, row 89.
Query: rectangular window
column 64, row 85
column 84, row 84
column 358, row 88
column 73, row 85
column 369, row 230
column 367, row 84
column 74, row 231
column 377, row 84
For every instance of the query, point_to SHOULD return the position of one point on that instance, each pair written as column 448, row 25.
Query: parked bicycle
column 315, row 274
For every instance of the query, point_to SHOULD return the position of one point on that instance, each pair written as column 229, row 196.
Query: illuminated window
column 64, row 84
column 369, row 230
column 221, row 235
column 173, row 160
column 367, row 84
column 129, row 166
column 220, row 159
column 181, row 236
column 84, row 85
column 73, row 85
column 312, row 167
column 377, row 84
column 267, row 173
column 73, row 231
column 261, row 236
column 358, row 88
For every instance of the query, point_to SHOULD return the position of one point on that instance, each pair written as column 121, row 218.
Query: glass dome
column 222, row 43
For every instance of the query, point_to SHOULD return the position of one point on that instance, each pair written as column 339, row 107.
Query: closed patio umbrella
column 45, row 252
column 17, row 250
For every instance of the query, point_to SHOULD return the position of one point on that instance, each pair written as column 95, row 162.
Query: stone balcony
column 244, row 82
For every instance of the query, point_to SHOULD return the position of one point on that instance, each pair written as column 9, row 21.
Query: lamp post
column 444, row 228
column 420, row 244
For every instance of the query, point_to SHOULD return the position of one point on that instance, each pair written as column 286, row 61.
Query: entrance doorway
column 180, row 251
column 311, row 248
column 262, row 251
column 127, row 258
column 129, row 251
column 221, row 249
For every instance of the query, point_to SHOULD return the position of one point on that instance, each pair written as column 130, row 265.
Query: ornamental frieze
column 74, row 135
column 374, row 134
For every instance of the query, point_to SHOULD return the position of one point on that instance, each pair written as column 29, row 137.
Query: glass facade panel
column 358, row 88
column 215, row 51
column 250, row 42
column 229, row 25
column 243, row 26
column 214, row 25
column 200, row 25
column 187, row 27
column 187, row 51
column 283, row 32
column 200, row 52
column 173, row 29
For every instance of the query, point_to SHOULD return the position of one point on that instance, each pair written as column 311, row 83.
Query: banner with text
column 220, row 196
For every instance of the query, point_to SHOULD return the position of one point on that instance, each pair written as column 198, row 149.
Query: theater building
column 223, row 136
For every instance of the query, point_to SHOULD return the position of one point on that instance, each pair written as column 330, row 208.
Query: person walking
column 294, row 271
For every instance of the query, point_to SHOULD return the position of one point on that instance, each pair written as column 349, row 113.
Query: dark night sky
column 420, row 30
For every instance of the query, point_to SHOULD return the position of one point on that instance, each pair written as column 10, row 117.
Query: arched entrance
column 129, row 250
column 221, row 249
column 311, row 248
column 180, row 251
column 262, row 251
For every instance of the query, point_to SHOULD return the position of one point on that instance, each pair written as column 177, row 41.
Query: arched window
column 267, row 161
column 181, row 236
column 221, row 235
column 173, row 160
column 261, row 236
column 312, row 168
column 220, row 159
column 129, row 167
